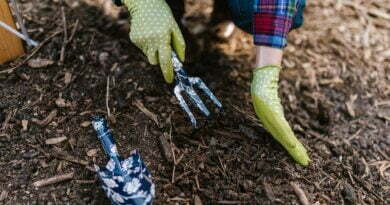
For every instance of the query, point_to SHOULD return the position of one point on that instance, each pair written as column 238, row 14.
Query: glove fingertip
column 165, row 59
column 181, row 52
column 179, row 44
column 168, row 73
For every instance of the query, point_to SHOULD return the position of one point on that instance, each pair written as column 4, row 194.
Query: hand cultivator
column 185, row 83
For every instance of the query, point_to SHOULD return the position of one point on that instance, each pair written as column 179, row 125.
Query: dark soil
column 335, row 90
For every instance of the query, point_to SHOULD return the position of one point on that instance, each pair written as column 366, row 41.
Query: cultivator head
column 185, row 83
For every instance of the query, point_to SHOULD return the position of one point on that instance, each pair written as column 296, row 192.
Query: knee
column 241, row 12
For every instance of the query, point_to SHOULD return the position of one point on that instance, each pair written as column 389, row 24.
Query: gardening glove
column 264, row 90
column 154, row 30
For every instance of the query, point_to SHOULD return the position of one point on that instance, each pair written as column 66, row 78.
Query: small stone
column 249, row 132
column 213, row 142
column 29, row 155
column 85, row 123
column 349, row 193
column 247, row 185
column 358, row 166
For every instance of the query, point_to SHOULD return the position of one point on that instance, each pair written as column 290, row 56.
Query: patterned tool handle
column 181, row 74
column 107, row 140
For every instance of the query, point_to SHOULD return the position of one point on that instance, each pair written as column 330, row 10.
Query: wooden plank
column 11, row 46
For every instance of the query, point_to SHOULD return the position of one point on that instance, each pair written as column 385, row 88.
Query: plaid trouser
column 269, row 21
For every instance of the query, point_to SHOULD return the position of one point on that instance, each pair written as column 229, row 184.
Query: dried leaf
column 39, row 63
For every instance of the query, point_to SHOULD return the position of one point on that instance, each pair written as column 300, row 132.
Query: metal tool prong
column 186, row 84
column 177, row 91
column 202, row 86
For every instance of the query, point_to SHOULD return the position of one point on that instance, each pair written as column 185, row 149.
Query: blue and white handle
column 107, row 140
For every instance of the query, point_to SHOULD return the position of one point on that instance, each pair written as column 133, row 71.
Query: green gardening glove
column 154, row 30
column 264, row 90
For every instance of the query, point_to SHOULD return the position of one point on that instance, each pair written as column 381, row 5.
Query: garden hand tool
column 16, row 33
column 185, row 83
column 124, row 181
column 155, row 31
column 264, row 90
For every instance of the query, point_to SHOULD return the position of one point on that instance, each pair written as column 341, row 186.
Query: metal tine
column 177, row 90
column 202, row 86
column 197, row 101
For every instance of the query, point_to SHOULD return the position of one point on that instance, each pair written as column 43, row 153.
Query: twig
column 269, row 192
column 147, row 112
column 47, row 120
column 68, row 158
column 7, row 119
column 107, row 97
column 167, row 151
column 73, row 31
column 85, row 181
column 300, row 194
column 229, row 202
column 35, row 51
column 177, row 179
column 54, row 180
column 21, row 24
column 65, row 41
column 16, row 33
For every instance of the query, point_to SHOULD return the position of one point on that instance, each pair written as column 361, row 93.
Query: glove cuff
column 265, row 67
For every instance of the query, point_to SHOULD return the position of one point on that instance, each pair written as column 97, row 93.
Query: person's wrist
column 268, row 56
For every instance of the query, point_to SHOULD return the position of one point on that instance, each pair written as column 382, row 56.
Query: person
column 155, row 31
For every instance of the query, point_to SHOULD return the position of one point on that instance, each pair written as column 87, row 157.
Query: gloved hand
column 264, row 90
column 154, row 30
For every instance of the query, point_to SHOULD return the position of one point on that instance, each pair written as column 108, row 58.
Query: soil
column 335, row 91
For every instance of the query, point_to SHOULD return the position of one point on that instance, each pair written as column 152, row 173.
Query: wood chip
column 54, row 180
column 24, row 125
column 61, row 102
column 300, row 194
column 92, row 153
column 268, row 191
column 67, row 78
column 3, row 195
column 197, row 200
column 55, row 140
column 85, row 123
column 47, row 120
column 147, row 112
column 166, row 148
column 350, row 105
column 39, row 63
